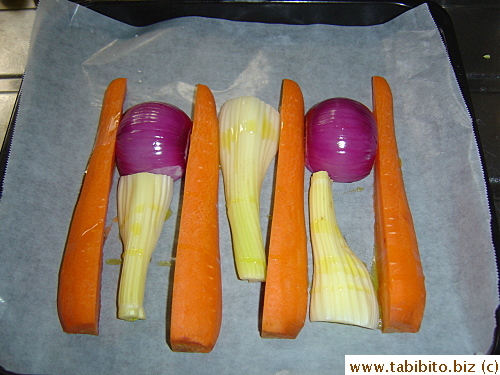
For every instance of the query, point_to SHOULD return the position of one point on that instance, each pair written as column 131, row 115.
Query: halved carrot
column 285, row 293
column 78, row 298
column 196, row 312
column 401, row 284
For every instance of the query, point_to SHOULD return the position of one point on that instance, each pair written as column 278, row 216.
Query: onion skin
column 153, row 137
column 341, row 139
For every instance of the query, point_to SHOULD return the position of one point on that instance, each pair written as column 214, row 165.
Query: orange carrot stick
column 78, row 299
column 196, row 313
column 401, row 287
column 285, row 294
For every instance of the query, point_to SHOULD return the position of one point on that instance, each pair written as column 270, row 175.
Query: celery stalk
column 249, row 134
column 143, row 203
column 342, row 290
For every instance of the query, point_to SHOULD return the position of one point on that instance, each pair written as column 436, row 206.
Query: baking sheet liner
column 76, row 52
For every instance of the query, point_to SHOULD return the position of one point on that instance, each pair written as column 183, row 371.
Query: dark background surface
column 477, row 27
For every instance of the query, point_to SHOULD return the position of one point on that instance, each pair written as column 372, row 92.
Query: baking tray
column 344, row 13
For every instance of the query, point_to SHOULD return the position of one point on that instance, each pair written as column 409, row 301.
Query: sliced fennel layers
column 143, row 205
column 342, row 289
column 249, row 135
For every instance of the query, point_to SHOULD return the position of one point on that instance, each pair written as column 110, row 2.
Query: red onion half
column 341, row 139
column 153, row 137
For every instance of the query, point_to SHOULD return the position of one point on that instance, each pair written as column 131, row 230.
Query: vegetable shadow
column 170, row 284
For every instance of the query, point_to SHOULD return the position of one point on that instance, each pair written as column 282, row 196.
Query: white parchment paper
column 75, row 53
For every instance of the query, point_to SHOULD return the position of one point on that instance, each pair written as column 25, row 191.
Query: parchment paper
column 75, row 53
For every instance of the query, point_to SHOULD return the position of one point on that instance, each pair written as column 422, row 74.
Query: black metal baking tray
column 346, row 13
column 343, row 13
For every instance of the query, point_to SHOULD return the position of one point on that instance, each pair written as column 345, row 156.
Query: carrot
column 401, row 287
column 196, row 311
column 78, row 299
column 285, row 293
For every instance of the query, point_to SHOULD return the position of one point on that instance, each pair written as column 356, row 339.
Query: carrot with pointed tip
column 78, row 298
column 285, row 293
column 196, row 312
column 401, row 284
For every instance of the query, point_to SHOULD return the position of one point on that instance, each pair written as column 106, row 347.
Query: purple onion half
column 153, row 137
column 341, row 139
